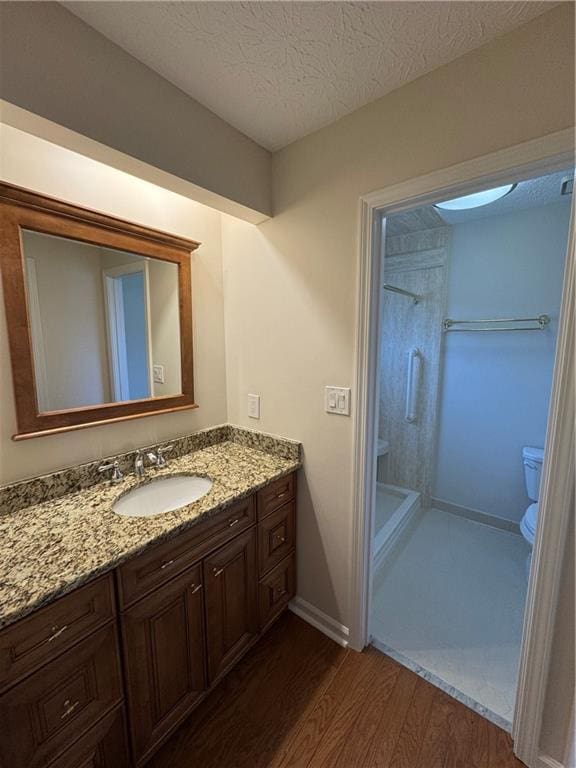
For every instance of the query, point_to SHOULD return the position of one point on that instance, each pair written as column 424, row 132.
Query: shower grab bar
column 413, row 384
column 393, row 289
column 542, row 320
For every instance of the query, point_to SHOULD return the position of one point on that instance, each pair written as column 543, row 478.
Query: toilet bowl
column 528, row 523
column 532, row 459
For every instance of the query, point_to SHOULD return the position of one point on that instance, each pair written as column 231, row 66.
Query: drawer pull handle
column 234, row 522
column 166, row 564
column 57, row 632
column 218, row 571
column 281, row 495
column 195, row 588
column 69, row 709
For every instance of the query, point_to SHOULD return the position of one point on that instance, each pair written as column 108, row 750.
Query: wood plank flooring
column 298, row 700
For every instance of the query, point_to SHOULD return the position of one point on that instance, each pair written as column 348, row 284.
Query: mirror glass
column 104, row 323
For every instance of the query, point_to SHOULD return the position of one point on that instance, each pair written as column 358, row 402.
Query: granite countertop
column 50, row 548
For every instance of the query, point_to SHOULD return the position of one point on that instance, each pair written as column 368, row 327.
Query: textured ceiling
column 532, row 193
column 280, row 70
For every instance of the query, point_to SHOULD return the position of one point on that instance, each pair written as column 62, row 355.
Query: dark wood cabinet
column 48, row 711
column 104, row 746
column 164, row 659
column 231, row 580
column 45, row 634
column 277, row 588
column 276, row 494
column 188, row 609
column 276, row 537
column 142, row 574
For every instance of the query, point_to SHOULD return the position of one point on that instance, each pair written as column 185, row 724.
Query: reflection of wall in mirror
column 165, row 323
column 74, row 342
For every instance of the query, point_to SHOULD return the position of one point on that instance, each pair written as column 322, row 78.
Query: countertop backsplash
column 54, row 485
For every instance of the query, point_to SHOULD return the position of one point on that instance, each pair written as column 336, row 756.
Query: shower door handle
column 413, row 384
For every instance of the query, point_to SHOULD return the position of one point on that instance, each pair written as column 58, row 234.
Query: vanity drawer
column 276, row 537
column 40, row 637
column 104, row 746
column 275, row 495
column 276, row 590
column 41, row 716
column 150, row 570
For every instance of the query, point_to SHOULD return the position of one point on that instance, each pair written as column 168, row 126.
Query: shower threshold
column 395, row 508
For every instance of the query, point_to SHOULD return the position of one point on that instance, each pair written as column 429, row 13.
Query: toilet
column 532, row 459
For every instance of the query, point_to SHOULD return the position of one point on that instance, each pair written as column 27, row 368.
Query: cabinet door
column 164, row 655
column 230, row 575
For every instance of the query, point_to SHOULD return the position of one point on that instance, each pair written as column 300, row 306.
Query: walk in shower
column 413, row 299
column 470, row 305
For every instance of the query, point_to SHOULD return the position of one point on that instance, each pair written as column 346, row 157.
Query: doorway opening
column 129, row 338
column 463, row 384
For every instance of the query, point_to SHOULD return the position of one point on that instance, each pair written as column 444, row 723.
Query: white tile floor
column 451, row 600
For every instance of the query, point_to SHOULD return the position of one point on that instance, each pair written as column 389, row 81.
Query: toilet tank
column 532, row 459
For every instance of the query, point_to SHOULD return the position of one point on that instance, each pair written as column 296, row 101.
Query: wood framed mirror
column 99, row 315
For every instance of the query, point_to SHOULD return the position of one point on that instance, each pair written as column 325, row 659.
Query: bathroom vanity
column 123, row 603
column 104, row 673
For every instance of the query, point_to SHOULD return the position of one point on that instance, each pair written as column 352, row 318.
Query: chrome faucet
column 117, row 475
column 139, row 468
column 157, row 459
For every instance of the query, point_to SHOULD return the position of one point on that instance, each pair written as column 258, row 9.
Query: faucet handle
column 117, row 475
column 160, row 459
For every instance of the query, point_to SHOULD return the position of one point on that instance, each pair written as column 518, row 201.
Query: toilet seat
column 528, row 523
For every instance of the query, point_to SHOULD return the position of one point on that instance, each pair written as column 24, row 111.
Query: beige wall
column 165, row 325
column 56, row 66
column 44, row 167
column 297, row 273
column 75, row 357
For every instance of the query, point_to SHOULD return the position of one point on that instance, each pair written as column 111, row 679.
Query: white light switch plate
column 158, row 374
column 254, row 406
column 337, row 400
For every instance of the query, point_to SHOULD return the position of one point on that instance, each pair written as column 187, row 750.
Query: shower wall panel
column 406, row 325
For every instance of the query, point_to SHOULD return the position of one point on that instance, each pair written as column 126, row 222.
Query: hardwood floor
column 298, row 700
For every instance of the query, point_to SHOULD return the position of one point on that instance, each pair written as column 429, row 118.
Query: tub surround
column 60, row 531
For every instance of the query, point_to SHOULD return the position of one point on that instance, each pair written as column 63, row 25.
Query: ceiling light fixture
column 476, row 199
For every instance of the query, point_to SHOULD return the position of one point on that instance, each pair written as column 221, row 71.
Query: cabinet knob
column 217, row 571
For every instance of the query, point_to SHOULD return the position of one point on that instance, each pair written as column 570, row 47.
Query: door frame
column 539, row 156
column 114, row 307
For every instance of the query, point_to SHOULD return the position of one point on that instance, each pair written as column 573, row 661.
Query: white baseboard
column 476, row 515
column 545, row 761
column 320, row 620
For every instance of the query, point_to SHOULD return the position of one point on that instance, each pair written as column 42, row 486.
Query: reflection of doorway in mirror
column 127, row 292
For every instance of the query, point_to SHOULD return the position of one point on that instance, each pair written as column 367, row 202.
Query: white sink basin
column 165, row 494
